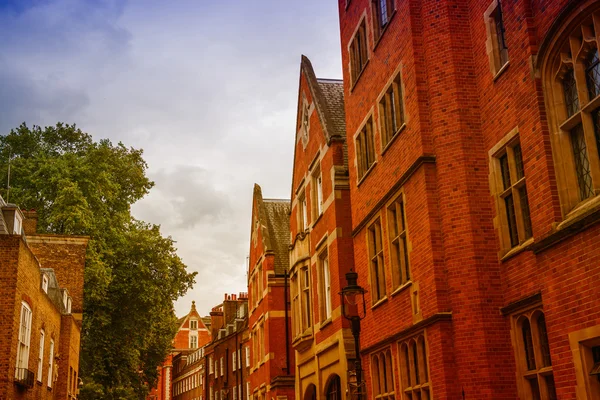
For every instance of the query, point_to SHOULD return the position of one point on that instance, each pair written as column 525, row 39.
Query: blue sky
column 207, row 89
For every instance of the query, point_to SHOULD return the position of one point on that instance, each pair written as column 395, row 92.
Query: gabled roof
column 181, row 321
column 328, row 95
column 274, row 220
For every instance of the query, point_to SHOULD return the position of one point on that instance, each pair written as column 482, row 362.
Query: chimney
column 229, row 309
column 30, row 222
column 216, row 321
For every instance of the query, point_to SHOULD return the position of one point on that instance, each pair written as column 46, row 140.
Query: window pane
column 535, row 389
column 528, row 346
column 596, row 118
column 582, row 163
column 519, row 161
column 551, row 387
column 525, row 212
column 544, row 347
column 499, row 24
column 505, row 171
column 592, row 74
column 416, row 363
column 571, row 96
column 512, row 220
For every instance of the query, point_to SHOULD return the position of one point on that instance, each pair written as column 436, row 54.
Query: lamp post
column 351, row 297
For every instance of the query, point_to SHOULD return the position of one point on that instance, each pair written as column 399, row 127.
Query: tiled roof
column 278, row 225
column 333, row 94
column 329, row 101
column 274, row 218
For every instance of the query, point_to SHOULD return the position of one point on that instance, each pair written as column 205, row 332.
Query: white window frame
column 50, row 363
column 45, row 282
column 247, row 356
column 234, row 361
column 194, row 324
column 24, row 338
column 193, row 341
column 41, row 356
column 210, row 365
column 18, row 224
column 222, row 366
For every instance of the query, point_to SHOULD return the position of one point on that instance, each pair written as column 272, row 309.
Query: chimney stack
column 30, row 222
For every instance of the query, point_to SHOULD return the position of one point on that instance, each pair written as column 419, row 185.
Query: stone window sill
column 379, row 302
column 401, row 288
column 508, row 254
column 501, row 71
column 362, row 178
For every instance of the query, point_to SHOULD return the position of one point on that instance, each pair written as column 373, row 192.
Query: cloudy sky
column 207, row 88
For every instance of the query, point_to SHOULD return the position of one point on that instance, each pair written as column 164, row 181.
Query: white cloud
column 207, row 89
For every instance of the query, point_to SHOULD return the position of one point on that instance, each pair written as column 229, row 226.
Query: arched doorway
column 333, row 390
column 311, row 392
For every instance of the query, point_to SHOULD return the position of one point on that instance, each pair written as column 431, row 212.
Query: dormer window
column 18, row 224
column 69, row 303
column 65, row 298
column 45, row 283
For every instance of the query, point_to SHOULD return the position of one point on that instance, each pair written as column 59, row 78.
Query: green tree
column 133, row 274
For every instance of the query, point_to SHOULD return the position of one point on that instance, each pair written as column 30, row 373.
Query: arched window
column 382, row 371
column 414, row 368
column 570, row 68
column 534, row 365
column 311, row 392
column 334, row 388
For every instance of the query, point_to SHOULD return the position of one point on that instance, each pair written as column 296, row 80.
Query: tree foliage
column 133, row 274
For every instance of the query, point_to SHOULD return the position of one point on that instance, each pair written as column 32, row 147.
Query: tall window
column 263, row 343
column 382, row 374
column 376, row 260
column 296, row 311
column 398, row 243
column 23, row 344
column 365, row 149
column 414, row 368
column 317, row 197
column 45, row 283
column 496, row 44
column 391, row 111
column 233, row 361
column 511, row 196
column 302, row 212
column 193, row 341
column 358, row 52
column 222, row 366
column 325, row 286
column 334, row 389
column 306, row 304
column 572, row 80
column 382, row 12
column 41, row 356
column 51, row 364
column 534, row 364
column 194, row 325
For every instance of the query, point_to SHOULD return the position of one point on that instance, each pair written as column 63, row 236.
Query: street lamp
column 351, row 298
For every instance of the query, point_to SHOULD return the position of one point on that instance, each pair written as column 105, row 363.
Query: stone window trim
column 23, row 340
column 318, row 201
column 382, row 12
column 495, row 44
column 535, row 378
column 51, row 365
column 508, row 187
column 306, row 112
column 374, row 242
column 358, row 56
column 302, row 322
column 414, row 367
column 324, row 285
column 41, row 356
column 582, row 342
column 302, row 211
column 382, row 375
column 399, row 245
column 394, row 100
column 365, row 157
column 573, row 132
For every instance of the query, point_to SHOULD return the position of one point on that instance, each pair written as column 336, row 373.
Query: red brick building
column 192, row 334
column 321, row 241
column 227, row 355
column 271, row 358
column 473, row 131
column 41, row 291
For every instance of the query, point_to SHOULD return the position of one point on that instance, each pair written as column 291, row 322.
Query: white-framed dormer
column 18, row 223
column 45, row 282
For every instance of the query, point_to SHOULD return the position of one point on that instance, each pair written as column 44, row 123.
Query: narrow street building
column 473, row 132
column 270, row 357
column 321, row 241
column 41, row 292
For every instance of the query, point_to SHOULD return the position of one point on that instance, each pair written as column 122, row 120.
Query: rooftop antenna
column 8, row 177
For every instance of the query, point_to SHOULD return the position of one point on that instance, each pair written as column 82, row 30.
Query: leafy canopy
column 133, row 274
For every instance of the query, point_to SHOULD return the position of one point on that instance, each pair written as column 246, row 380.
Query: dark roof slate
column 274, row 219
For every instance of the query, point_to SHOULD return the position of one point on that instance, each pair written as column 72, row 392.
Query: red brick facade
column 471, row 300
column 35, row 304
column 271, row 357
